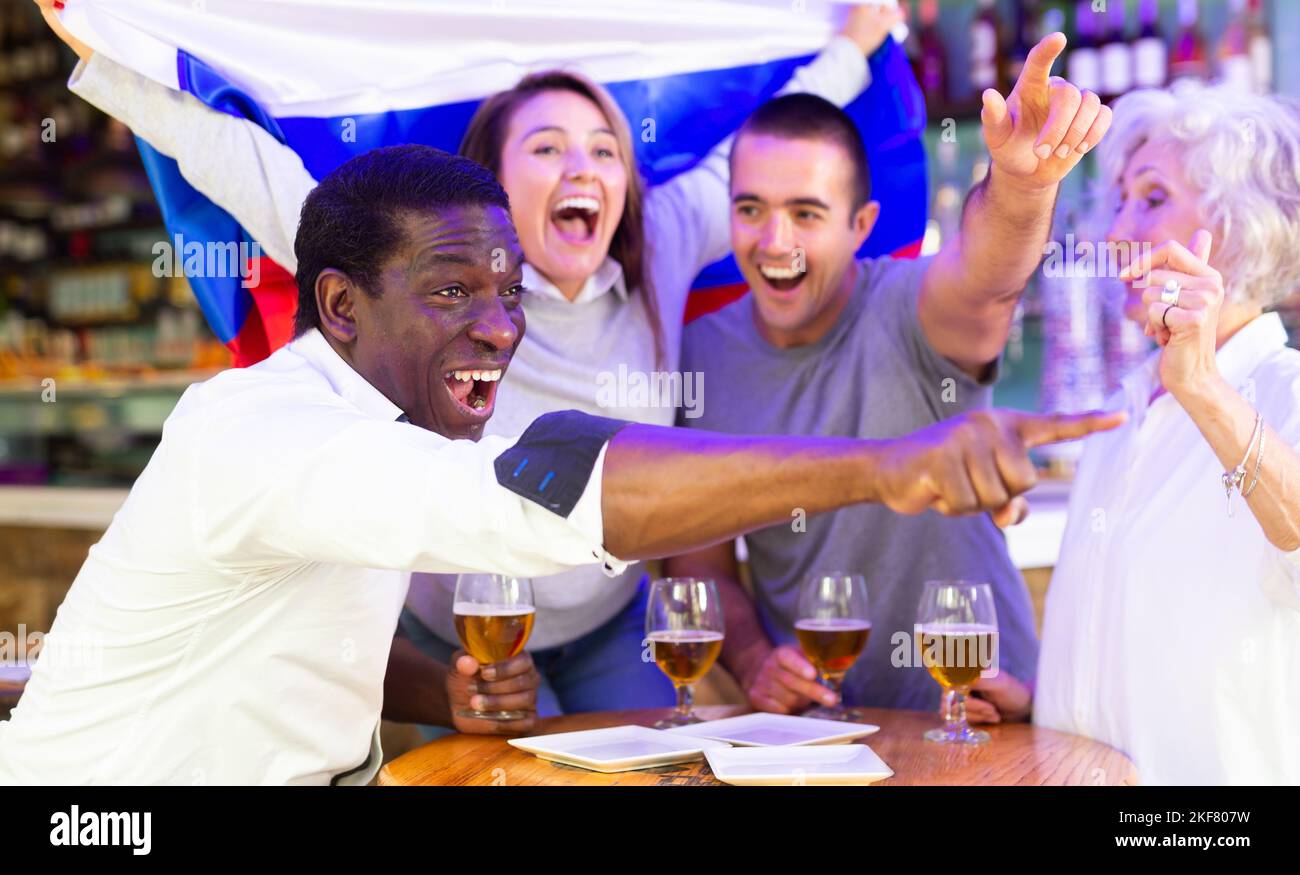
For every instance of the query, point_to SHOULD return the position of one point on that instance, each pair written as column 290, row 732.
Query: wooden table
column 10, row 693
column 1017, row 754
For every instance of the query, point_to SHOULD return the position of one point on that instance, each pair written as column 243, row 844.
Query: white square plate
column 776, row 730
column 617, row 748
column 853, row 764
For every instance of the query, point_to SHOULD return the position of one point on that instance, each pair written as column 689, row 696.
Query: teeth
column 773, row 272
column 578, row 202
column 479, row 403
column 481, row 376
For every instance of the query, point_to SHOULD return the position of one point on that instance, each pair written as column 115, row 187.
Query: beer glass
column 494, row 615
column 958, row 631
column 832, row 630
column 683, row 624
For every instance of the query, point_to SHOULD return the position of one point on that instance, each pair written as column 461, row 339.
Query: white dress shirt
column 233, row 625
column 1172, row 631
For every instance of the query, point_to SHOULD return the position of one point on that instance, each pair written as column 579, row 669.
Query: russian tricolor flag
column 333, row 78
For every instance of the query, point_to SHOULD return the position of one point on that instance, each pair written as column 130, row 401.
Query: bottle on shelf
column 1052, row 20
column 985, row 52
column 1259, row 45
column 1150, row 54
column 1083, row 64
column 931, row 60
column 1234, row 65
column 1116, row 55
column 1024, row 34
column 1189, row 58
column 1073, row 373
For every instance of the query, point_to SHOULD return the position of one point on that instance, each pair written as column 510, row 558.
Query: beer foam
column 474, row 609
column 953, row 629
column 685, row 636
column 833, row 624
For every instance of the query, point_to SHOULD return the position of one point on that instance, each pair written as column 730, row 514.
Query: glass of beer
column 958, row 630
column 494, row 615
column 683, row 624
column 832, row 630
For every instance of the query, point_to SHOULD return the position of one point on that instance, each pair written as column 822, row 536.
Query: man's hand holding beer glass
column 509, row 686
column 786, row 683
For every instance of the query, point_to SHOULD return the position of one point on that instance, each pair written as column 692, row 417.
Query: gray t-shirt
column 873, row 376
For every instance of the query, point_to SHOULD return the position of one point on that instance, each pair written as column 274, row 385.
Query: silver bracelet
column 1233, row 479
column 1259, row 462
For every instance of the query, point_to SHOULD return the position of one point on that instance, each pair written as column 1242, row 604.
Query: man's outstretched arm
column 667, row 491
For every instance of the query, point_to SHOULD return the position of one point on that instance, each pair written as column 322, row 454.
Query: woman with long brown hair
column 609, row 264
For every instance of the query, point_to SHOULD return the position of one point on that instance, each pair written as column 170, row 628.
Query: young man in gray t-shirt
column 829, row 345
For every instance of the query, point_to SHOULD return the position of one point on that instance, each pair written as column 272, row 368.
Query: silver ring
column 1169, row 294
column 1164, row 317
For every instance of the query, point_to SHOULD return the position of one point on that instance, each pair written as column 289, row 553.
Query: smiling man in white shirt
column 240, row 609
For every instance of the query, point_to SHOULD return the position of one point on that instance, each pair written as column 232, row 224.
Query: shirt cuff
column 558, row 463
column 850, row 62
column 85, row 75
column 588, row 519
column 839, row 73
column 104, row 84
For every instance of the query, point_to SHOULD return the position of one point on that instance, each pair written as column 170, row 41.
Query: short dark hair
column 352, row 220
column 809, row 117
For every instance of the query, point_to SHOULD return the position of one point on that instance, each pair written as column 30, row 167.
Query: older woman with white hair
column 1172, row 626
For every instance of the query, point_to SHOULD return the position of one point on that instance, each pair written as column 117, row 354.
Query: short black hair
column 809, row 117
column 352, row 220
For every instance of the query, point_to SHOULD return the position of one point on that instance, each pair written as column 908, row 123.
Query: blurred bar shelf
column 62, row 507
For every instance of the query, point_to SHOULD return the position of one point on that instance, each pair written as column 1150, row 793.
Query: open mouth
column 575, row 218
column 782, row 279
column 474, row 391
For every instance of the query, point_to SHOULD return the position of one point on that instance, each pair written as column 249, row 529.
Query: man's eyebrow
column 430, row 257
column 792, row 202
column 807, row 202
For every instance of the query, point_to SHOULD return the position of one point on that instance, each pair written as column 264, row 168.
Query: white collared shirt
column 1172, row 631
column 234, row 623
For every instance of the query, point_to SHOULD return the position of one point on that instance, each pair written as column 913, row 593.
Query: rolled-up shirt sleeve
column 324, row 483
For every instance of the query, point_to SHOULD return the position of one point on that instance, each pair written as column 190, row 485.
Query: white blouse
column 1172, row 631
